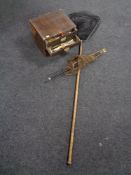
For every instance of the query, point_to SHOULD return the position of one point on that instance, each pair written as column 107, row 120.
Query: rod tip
column 69, row 163
column 104, row 50
column 49, row 78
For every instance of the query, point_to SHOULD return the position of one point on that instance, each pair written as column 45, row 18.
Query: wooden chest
column 54, row 32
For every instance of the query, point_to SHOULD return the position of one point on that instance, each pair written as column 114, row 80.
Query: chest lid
column 52, row 24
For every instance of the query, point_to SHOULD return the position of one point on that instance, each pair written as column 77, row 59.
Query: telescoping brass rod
column 71, row 143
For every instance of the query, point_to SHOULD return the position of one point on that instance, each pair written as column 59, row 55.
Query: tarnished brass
column 76, row 63
column 80, row 61
column 74, row 67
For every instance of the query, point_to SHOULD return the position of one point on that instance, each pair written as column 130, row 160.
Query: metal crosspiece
column 75, row 63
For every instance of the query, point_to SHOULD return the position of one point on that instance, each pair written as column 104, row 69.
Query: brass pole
column 69, row 161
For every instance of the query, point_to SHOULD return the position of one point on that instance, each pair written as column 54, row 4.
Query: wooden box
column 54, row 32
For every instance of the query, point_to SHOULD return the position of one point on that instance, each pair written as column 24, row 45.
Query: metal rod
column 71, row 143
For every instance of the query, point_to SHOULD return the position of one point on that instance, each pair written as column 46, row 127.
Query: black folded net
column 86, row 23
